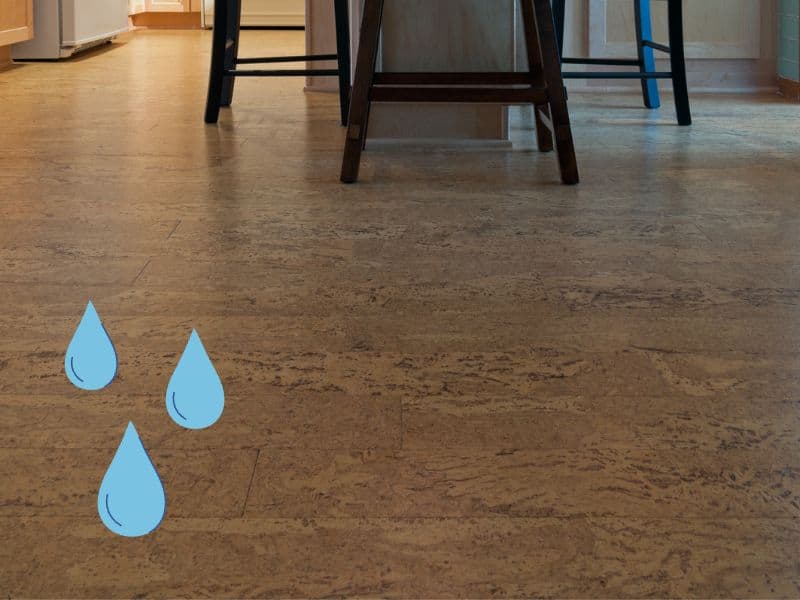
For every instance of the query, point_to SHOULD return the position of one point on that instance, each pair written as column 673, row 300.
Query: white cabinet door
column 84, row 21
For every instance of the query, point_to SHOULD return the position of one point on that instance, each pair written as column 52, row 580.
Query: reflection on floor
column 457, row 378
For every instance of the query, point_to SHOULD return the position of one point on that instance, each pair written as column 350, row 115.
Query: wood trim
column 789, row 89
column 167, row 20
column 5, row 57
column 12, row 36
column 22, row 33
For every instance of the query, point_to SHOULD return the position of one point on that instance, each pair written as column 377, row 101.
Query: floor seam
column 139, row 274
column 250, row 485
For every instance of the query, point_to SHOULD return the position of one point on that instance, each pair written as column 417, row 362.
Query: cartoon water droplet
column 131, row 501
column 195, row 398
column 91, row 360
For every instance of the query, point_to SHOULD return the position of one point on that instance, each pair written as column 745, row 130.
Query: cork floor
column 456, row 379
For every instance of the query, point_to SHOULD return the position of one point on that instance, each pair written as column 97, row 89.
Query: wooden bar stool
column 225, row 58
column 646, row 57
column 541, row 86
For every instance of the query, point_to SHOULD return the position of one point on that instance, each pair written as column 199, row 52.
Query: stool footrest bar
column 283, row 59
column 459, row 95
column 618, row 75
column 452, row 78
column 609, row 62
column 281, row 73
column 657, row 46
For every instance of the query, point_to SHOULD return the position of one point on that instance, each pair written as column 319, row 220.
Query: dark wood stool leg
column 544, row 137
column 343, row 54
column 232, row 48
column 216, row 77
column 559, row 11
column 362, row 87
column 678, row 60
column 647, row 60
column 551, row 67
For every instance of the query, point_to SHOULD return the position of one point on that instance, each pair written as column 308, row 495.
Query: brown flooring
column 457, row 378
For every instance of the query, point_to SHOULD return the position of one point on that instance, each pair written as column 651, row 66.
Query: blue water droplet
column 91, row 360
column 131, row 501
column 195, row 398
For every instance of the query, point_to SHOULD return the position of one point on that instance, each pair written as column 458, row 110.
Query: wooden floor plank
column 447, row 558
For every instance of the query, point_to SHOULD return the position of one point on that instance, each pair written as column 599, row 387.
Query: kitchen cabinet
column 16, row 21
column 730, row 44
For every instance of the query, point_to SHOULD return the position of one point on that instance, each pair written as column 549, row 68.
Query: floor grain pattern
column 455, row 379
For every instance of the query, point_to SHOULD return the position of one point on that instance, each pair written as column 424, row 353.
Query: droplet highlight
column 91, row 360
column 195, row 397
column 131, row 500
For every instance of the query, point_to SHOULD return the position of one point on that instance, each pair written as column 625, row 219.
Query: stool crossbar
column 541, row 86
column 225, row 59
column 646, row 57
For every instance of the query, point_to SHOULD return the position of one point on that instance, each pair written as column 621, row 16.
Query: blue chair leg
column 647, row 61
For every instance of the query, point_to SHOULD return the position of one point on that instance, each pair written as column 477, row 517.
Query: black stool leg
column 647, row 60
column 559, row 10
column 343, row 54
column 362, row 86
column 232, row 50
column 551, row 69
column 216, row 77
column 678, row 59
